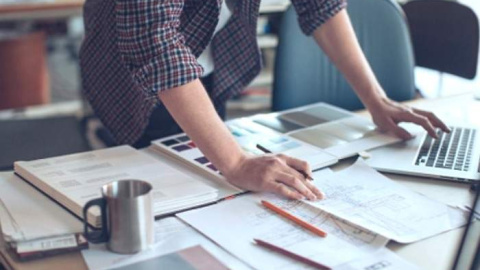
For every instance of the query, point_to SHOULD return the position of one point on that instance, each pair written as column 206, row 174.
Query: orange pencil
column 292, row 255
column 295, row 219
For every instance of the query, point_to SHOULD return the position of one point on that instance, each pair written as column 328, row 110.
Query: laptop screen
column 468, row 257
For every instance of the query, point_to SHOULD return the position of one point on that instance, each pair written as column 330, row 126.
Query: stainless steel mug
column 127, row 216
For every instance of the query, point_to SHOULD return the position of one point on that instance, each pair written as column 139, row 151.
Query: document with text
column 73, row 180
column 366, row 198
column 234, row 224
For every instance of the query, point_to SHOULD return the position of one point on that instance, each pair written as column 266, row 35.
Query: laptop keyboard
column 450, row 151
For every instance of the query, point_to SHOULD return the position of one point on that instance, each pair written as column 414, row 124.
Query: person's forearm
column 337, row 39
column 192, row 109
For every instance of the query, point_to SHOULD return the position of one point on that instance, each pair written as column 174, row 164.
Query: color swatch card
column 248, row 134
column 337, row 131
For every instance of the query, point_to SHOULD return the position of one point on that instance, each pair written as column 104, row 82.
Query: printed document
column 382, row 259
column 171, row 235
column 366, row 198
column 234, row 224
column 26, row 214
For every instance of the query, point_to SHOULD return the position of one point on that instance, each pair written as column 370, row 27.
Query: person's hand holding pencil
column 277, row 173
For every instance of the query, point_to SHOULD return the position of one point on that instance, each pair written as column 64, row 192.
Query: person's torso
column 124, row 106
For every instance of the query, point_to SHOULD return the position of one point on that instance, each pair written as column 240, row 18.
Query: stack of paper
column 32, row 224
column 171, row 235
column 73, row 180
column 363, row 209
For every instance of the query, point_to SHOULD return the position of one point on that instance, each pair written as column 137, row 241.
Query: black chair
column 445, row 36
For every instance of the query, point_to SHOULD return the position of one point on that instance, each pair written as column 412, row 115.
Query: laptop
column 455, row 156
column 468, row 255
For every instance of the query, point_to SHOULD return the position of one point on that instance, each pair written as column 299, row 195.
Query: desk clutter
column 320, row 134
column 41, row 204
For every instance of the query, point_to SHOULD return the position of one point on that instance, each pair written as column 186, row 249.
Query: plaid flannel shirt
column 135, row 48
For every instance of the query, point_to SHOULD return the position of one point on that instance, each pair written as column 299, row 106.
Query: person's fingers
column 295, row 183
column 306, row 182
column 397, row 130
column 319, row 194
column 283, row 190
column 422, row 121
column 302, row 166
column 289, row 170
column 433, row 119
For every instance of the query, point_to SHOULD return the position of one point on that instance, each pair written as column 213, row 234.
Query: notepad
column 73, row 180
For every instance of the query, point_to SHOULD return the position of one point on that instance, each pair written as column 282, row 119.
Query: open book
column 75, row 179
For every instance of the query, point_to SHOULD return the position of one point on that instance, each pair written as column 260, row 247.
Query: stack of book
column 34, row 226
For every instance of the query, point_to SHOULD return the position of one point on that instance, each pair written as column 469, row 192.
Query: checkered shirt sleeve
column 151, row 45
column 313, row 13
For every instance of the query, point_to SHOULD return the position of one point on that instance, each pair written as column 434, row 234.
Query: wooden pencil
column 291, row 255
column 295, row 219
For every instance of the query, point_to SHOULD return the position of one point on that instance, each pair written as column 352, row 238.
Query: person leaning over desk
column 152, row 68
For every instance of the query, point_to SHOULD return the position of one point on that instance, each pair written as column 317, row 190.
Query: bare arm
column 337, row 39
column 192, row 109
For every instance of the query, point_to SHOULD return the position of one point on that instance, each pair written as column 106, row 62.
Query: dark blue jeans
column 162, row 124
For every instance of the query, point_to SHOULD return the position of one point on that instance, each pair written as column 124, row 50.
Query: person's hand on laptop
column 387, row 114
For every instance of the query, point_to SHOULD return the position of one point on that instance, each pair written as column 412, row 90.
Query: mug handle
column 96, row 235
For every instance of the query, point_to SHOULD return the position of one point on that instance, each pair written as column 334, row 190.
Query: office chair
column 445, row 36
column 303, row 73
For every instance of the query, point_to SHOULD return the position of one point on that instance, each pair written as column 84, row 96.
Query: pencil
column 265, row 150
column 295, row 219
column 291, row 254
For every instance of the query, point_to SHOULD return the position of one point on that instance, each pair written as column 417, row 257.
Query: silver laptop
column 454, row 156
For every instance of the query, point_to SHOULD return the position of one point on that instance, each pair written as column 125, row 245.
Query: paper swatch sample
column 247, row 134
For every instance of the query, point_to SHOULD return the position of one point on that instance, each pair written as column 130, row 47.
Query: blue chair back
column 303, row 73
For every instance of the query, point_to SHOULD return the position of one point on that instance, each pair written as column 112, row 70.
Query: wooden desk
column 41, row 10
column 436, row 252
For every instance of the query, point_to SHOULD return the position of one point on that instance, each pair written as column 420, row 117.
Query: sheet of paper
column 366, row 198
column 383, row 259
column 192, row 258
column 171, row 235
column 344, row 137
column 234, row 224
column 31, row 215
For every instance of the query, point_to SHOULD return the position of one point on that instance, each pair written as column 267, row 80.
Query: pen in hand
column 265, row 150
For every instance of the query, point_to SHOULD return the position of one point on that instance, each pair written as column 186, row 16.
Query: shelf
column 272, row 8
column 29, row 10
column 267, row 41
